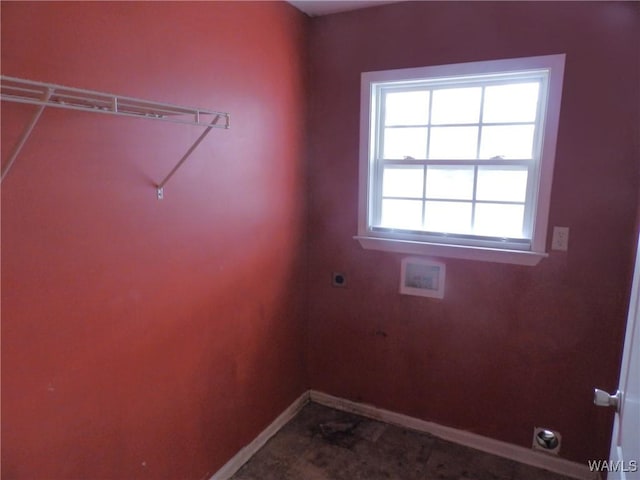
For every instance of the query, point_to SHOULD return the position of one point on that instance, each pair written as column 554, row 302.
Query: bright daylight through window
column 457, row 160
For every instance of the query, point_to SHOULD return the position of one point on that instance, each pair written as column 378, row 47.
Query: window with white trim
column 457, row 160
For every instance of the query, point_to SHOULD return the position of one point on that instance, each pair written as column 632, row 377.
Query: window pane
column 448, row 217
column 499, row 220
column 506, row 184
column 407, row 108
column 400, row 143
column 402, row 214
column 449, row 143
column 402, row 182
column 451, row 182
column 509, row 141
column 456, row 105
column 511, row 103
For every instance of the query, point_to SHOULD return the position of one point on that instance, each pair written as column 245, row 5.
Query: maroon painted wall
column 145, row 338
column 509, row 347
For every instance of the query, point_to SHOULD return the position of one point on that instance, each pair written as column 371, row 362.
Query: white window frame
column 418, row 243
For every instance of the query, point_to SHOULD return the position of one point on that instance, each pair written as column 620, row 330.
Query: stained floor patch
column 321, row 443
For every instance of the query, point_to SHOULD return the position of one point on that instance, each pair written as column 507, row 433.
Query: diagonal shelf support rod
column 25, row 136
column 51, row 95
column 160, row 186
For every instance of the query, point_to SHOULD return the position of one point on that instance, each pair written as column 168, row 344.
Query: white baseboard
column 468, row 439
column 461, row 437
column 240, row 458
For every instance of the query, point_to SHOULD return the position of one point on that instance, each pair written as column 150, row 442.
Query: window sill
column 515, row 257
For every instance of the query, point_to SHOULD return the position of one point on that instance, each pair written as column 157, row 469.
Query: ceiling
column 315, row 8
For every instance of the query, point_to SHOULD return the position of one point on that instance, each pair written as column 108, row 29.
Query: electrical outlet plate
column 560, row 240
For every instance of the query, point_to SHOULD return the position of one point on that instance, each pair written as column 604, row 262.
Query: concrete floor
column 325, row 444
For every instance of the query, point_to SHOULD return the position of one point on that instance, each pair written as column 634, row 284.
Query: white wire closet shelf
column 46, row 95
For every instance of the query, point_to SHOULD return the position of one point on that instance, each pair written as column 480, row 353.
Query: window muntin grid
column 468, row 150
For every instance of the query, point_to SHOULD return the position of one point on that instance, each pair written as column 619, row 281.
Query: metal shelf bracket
column 50, row 95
